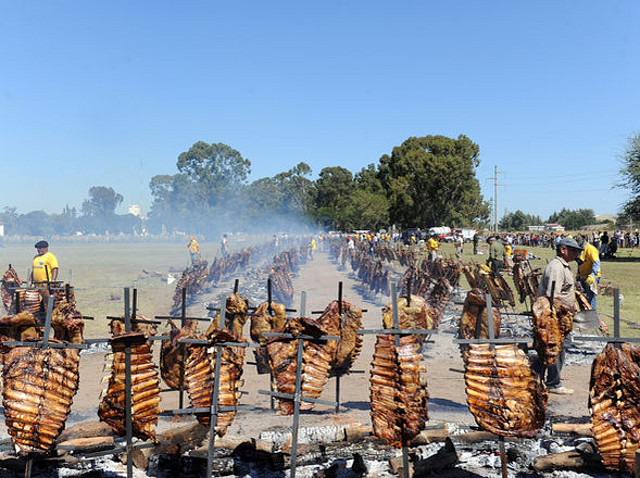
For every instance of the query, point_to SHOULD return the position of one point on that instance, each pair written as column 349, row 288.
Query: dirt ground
column 319, row 279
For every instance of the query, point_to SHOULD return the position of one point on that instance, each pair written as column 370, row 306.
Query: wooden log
column 568, row 460
column 577, row 428
column 172, row 441
column 90, row 429
column 355, row 434
column 444, row 458
column 475, row 437
column 84, row 445
column 434, row 435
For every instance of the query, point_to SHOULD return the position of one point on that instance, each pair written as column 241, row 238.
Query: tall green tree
column 573, row 220
column 431, row 181
column 631, row 177
column 518, row 221
column 333, row 190
column 102, row 202
column 214, row 170
column 286, row 195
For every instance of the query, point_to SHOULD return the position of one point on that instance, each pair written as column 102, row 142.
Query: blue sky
column 110, row 93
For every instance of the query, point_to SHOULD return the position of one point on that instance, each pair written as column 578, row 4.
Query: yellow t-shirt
column 193, row 246
column 432, row 245
column 47, row 260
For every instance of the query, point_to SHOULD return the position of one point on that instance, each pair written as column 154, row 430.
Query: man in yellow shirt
column 194, row 249
column 432, row 247
column 589, row 271
column 45, row 264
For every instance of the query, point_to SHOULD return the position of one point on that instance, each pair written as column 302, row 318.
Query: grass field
column 621, row 273
column 100, row 272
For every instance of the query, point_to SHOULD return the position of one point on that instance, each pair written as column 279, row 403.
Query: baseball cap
column 41, row 244
column 570, row 242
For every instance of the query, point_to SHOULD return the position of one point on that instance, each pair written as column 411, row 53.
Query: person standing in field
column 589, row 271
column 496, row 255
column 45, row 265
column 194, row 249
column 459, row 246
column 44, row 270
column 224, row 246
column 432, row 247
column 558, row 272
column 314, row 246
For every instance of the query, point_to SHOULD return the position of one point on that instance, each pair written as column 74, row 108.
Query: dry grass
column 100, row 272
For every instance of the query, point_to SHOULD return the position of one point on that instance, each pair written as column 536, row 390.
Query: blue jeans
column 589, row 294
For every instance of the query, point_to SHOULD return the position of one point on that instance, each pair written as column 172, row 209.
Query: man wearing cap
column 558, row 271
column 45, row 264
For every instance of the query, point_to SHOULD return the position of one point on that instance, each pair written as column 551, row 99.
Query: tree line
column 426, row 181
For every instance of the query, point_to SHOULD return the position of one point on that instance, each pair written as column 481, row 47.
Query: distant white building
column 1, row 229
column 553, row 227
column 134, row 209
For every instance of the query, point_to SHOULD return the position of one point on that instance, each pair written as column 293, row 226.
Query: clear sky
column 110, row 93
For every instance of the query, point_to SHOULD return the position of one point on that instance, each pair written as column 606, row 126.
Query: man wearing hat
column 45, row 264
column 558, row 271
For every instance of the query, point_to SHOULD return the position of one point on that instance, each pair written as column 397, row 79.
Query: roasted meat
column 67, row 323
column 551, row 325
column 266, row 319
column 18, row 327
column 398, row 393
column 38, row 390
column 474, row 308
column 30, row 300
column 503, row 394
column 413, row 313
column 145, row 396
column 344, row 351
column 316, row 363
column 140, row 324
column 614, row 402
column 199, row 373
column 10, row 281
column 173, row 353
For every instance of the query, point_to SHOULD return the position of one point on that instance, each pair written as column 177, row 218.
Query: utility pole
column 495, row 197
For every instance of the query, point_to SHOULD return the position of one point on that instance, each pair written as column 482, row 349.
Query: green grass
column 621, row 273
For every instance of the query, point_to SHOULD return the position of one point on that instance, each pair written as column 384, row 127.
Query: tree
column 102, row 202
column 285, row 196
column 333, row 190
column 431, row 181
column 214, row 169
column 573, row 219
column 631, row 177
column 518, row 221
column 9, row 217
